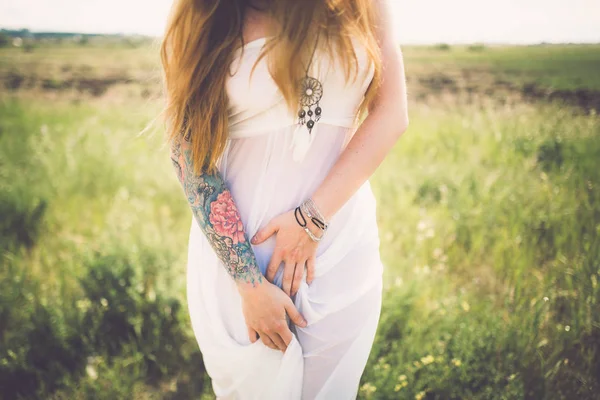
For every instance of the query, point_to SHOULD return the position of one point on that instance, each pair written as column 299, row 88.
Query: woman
column 264, row 109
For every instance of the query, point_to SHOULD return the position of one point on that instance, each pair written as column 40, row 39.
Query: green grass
column 489, row 216
column 490, row 219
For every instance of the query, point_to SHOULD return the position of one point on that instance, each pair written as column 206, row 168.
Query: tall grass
column 490, row 218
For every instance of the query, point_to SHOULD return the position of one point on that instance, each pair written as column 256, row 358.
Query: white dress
column 269, row 174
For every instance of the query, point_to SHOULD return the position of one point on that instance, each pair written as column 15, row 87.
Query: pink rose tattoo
column 225, row 219
column 220, row 222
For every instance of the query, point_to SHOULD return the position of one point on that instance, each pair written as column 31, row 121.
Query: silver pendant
column 310, row 93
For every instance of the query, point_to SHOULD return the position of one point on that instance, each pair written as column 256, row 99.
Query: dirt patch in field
column 80, row 84
column 583, row 98
column 472, row 84
column 438, row 82
column 95, row 86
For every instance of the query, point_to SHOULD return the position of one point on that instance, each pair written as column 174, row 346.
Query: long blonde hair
column 199, row 45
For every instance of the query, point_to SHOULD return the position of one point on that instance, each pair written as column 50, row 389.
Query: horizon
column 133, row 34
column 493, row 23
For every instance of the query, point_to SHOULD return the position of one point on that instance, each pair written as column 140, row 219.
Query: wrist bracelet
column 317, row 222
column 302, row 222
column 312, row 235
column 314, row 214
column 298, row 212
column 310, row 205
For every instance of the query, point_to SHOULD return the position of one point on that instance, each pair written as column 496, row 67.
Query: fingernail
column 253, row 240
column 304, row 323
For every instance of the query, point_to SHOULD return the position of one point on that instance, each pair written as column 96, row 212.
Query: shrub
column 117, row 321
column 476, row 47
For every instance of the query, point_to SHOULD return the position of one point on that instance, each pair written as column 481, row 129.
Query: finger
column 267, row 341
column 253, row 335
column 278, row 341
column 295, row 315
column 286, row 334
column 298, row 273
column 265, row 232
column 310, row 269
column 288, row 275
column 274, row 264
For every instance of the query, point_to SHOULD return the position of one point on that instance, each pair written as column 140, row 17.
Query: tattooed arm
column 264, row 304
column 217, row 216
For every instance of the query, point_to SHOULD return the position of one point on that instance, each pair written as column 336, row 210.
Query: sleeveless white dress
column 269, row 173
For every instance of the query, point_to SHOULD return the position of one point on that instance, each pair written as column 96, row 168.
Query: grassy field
column 489, row 215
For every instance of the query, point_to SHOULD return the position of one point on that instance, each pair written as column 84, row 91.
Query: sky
column 417, row 21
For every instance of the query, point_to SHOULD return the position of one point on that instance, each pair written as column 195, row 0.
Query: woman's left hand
column 293, row 247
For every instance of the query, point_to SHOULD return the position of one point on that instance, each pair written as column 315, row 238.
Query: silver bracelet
column 312, row 236
column 298, row 214
column 306, row 211
column 311, row 210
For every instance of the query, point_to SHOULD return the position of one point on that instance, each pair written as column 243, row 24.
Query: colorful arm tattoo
column 217, row 215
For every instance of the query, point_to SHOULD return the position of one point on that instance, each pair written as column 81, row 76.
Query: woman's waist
column 352, row 228
column 265, row 180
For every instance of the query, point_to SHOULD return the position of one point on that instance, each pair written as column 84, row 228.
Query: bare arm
column 386, row 122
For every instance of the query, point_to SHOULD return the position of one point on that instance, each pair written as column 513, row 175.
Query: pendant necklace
column 310, row 93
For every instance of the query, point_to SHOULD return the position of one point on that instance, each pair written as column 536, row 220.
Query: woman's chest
column 254, row 91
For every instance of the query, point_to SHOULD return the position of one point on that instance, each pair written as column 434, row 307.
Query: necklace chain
column 311, row 92
column 313, row 53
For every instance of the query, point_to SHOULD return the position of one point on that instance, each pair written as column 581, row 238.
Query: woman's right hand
column 265, row 306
